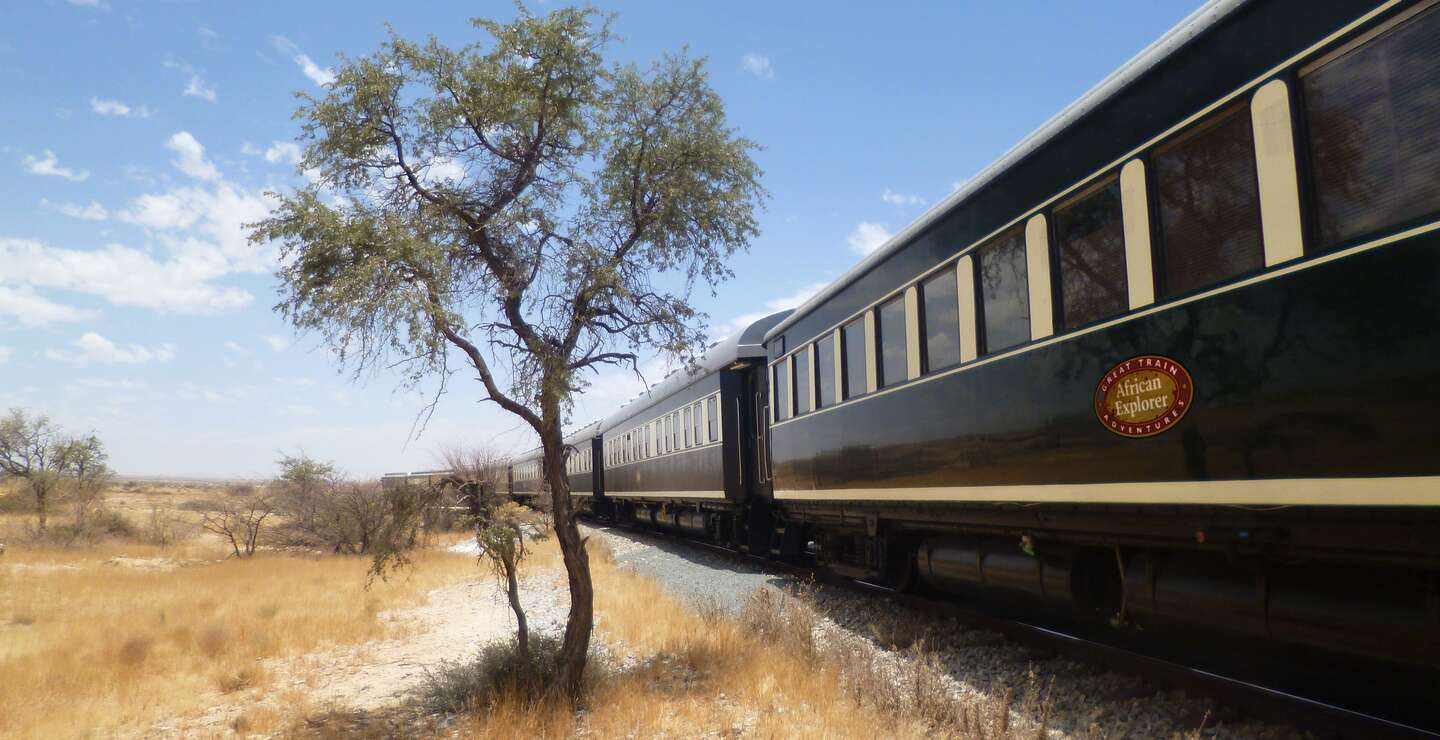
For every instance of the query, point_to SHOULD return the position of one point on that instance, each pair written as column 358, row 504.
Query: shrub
column 14, row 503
column 496, row 673
column 240, row 490
column 786, row 620
column 201, row 505
column 134, row 651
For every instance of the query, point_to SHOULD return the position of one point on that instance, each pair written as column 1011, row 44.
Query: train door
column 754, row 427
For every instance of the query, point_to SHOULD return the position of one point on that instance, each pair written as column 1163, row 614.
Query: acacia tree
column 36, row 450
column 509, row 207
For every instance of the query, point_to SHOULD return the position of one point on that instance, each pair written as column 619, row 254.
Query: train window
column 674, row 430
column 803, row 379
column 852, row 337
column 825, row 372
column 695, row 422
column 1090, row 243
column 781, row 374
column 1209, row 199
column 892, row 341
column 685, row 434
column 649, row 434
column 712, row 419
column 1374, row 119
column 1004, row 291
column 941, row 311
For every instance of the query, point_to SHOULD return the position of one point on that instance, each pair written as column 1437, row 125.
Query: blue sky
column 136, row 136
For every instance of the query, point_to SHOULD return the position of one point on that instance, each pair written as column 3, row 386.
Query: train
column 1171, row 363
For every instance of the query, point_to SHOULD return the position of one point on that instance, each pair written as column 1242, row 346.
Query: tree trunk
column 522, row 627
column 575, row 649
column 41, row 494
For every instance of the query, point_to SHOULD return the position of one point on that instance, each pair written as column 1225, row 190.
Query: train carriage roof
column 749, row 342
column 1206, row 17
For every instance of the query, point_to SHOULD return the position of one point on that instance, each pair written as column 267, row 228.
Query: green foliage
column 511, row 200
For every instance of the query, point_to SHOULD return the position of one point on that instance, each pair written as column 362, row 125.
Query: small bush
column 493, row 675
column 15, row 503
column 237, row 680
column 786, row 620
column 135, row 651
column 113, row 524
column 213, row 640
column 240, row 490
column 200, row 505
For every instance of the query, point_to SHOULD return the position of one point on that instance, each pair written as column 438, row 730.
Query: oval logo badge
column 1143, row 396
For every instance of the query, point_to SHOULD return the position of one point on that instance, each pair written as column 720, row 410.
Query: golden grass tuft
column 92, row 647
column 761, row 672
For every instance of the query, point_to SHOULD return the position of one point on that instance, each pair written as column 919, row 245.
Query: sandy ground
column 452, row 624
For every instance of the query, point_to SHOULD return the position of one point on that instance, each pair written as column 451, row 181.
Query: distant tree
column 239, row 521
column 37, row 451
column 87, row 473
column 302, row 486
column 510, row 205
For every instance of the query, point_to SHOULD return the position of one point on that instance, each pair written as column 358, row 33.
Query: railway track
column 1322, row 718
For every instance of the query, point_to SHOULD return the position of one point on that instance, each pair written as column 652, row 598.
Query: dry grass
column 91, row 647
column 767, row 672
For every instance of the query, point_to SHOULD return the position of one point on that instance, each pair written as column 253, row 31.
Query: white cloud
column 234, row 347
column 50, row 165
column 739, row 323
column 901, row 199
column 97, row 4
column 33, row 310
column 758, row 65
column 91, row 348
column 109, row 385
column 5, row 353
column 283, row 151
column 275, row 342
column 868, row 237
column 118, row 108
column 192, row 157
column 196, row 236
column 195, row 85
column 91, row 212
column 319, row 75
column 444, row 169
column 119, row 274
column 958, row 184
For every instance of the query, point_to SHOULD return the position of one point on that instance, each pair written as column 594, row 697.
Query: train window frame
column 882, row 339
column 1058, row 241
column 948, row 272
column 1305, row 138
column 1238, row 109
column 712, row 418
column 1013, row 237
column 824, row 371
column 781, row 370
column 695, row 422
column 849, row 374
column 685, row 429
column 797, row 373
